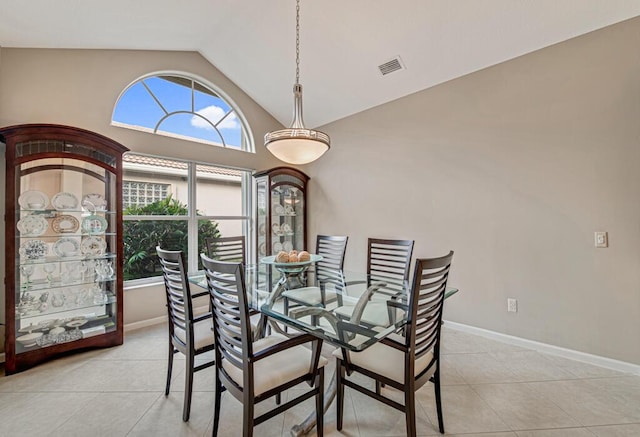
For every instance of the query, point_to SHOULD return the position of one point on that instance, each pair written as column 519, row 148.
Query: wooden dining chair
column 328, row 273
column 188, row 334
column 253, row 371
column 231, row 249
column 388, row 263
column 404, row 362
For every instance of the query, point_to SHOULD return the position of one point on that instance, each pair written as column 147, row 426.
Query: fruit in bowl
column 304, row 256
column 282, row 257
column 292, row 256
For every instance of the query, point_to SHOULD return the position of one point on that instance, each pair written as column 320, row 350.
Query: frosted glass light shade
column 297, row 146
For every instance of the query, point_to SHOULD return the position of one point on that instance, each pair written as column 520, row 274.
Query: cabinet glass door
column 66, row 246
column 287, row 219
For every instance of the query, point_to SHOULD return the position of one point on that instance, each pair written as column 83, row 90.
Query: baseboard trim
column 596, row 360
column 144, row 323
column 157, row 320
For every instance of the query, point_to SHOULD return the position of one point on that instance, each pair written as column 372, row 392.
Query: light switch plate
column 601, row 239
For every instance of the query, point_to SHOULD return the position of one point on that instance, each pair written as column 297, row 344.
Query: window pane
column 190, row 126
column 218, row 191
column 154, row 186
column 182, row 107
column 140, row 241
column 137, row 107
column 172, row 96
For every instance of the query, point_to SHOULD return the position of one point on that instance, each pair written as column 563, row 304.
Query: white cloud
column 214, row 113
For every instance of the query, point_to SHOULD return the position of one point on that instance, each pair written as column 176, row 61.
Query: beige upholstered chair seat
column 276, row 369
column 202, row 334
column 310, row 295
column 374, row 314
column 386, row 360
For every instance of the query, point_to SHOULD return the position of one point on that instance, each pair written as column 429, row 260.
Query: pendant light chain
column 297, row 41
column 297, row 144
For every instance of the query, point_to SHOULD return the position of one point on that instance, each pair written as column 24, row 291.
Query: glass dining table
column 347, row 309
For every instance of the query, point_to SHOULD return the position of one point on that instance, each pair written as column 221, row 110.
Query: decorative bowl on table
column 292, row 267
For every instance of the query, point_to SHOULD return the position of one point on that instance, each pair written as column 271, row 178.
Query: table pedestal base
column 308, row 424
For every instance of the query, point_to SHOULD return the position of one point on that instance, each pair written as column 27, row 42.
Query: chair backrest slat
column 232, row 327
column 329, row 268
column 389, row 258
column 228, row 249
column 426, row 303
column 332, row 249
column 178, row 293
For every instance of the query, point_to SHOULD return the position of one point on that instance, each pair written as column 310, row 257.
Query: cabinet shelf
column 65, row 259
column 65, row 308
column 44, row 285
column 63, row 235
column 55, row 212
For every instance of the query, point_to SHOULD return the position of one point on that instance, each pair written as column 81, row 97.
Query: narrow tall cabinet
column 282, row 211
column 63, row 233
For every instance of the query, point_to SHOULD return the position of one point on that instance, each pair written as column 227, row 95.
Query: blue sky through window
column 137, row 107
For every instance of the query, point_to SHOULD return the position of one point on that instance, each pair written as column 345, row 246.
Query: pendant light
column 297, row 144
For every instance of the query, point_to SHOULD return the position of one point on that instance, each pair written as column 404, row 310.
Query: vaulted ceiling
column 342, row 42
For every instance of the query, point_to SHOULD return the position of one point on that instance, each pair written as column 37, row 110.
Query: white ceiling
column 342, row 42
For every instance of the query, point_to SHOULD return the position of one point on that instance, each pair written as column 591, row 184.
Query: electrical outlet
column 601, row 239
column 512, row 305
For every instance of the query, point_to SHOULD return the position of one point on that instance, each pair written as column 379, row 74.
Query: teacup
column 35, row 205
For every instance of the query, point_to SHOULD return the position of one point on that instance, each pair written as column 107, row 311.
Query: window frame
column 246, row 132
column 193, row 218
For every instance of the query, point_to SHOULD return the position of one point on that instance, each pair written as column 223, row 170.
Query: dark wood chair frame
column 232, row 328
column 180, row 312
column 422, row 335
column 328, row 270
column 389, row 259
column 388, row 262
column 230, row 249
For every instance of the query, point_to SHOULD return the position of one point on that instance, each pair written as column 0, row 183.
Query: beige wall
column 513, row 167
column 80, row 88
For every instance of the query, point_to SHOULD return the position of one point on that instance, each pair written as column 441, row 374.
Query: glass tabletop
column 349, row 309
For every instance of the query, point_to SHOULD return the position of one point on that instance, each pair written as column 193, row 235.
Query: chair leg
column 217, row 405
column 285, row 303
column 169, row 368
column 188, row 387
column 320, row 403
column 436, row 386
column 247, row 419
column 410, row 410
column 339, row 393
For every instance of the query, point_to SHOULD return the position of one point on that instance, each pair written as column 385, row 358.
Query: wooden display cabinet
column 281, row 217
column 64, row 250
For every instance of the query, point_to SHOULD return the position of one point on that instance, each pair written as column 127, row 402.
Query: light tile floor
column 490, row 389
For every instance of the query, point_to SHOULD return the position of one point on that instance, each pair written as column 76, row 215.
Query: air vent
column 391, row 65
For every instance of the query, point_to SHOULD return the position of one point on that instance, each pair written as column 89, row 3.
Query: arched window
column 180, row 106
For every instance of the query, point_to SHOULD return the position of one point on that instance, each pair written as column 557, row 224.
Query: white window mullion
column 192, row 263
